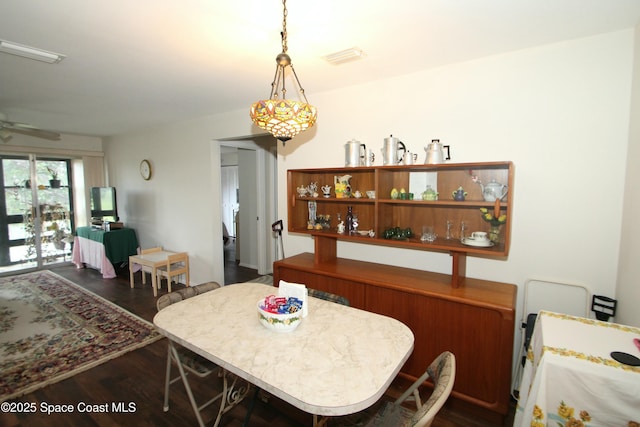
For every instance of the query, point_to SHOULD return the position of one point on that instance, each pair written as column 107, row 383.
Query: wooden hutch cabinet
column 475, row 319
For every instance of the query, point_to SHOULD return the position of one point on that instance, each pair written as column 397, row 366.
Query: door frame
column 264, row 188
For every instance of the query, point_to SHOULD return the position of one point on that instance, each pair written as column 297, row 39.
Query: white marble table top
column 340, row 360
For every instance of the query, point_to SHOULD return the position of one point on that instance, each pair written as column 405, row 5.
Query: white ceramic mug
column 410, row 158
column 479, row 235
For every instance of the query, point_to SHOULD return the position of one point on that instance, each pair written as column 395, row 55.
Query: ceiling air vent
column 344, row 56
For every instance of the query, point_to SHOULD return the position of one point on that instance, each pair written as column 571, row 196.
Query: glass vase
column 494, row 234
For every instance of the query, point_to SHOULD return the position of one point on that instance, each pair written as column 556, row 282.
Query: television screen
column 103, row 204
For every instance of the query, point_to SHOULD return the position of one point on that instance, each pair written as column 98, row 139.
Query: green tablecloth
column 118, row 244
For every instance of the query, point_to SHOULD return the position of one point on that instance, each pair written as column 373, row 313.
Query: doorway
column 36, row 212
column 248, row 204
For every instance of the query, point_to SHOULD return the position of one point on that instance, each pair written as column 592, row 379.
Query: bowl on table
column 278, row 322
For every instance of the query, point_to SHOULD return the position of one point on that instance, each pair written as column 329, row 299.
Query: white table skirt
column 88, row 252
column 570, row 377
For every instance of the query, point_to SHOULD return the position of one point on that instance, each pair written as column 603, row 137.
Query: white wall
column 628, row 289
column 178, row 208
column 560, row 112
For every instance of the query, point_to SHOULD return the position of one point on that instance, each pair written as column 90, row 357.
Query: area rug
column 52, row 329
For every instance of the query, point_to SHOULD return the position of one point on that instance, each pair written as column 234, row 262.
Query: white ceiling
column 137, row 64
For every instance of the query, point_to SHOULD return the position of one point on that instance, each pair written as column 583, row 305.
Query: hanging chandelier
column 283, row 118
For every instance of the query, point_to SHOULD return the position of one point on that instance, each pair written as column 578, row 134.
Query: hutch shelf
column 384, row 212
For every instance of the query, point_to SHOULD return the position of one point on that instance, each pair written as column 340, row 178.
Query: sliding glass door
column 36, row 217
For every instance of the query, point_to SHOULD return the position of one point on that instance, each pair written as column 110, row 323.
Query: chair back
column 328, row 296
column 177, row 264
column 171, row 298
column 150, row 250
column 442, row 372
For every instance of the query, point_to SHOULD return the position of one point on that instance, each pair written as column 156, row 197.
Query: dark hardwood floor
column 137, row 378
column 234, row 273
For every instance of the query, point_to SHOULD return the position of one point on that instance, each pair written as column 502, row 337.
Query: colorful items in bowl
column 280, row 314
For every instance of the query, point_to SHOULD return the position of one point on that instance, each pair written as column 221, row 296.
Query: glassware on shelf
column 463, row 231
column 449, row 233
column 428, row 235
column 348, row 220
column 354, row 229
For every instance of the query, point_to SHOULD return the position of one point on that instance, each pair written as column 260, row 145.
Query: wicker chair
column 328, row 296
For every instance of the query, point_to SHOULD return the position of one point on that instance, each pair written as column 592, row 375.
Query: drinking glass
column 463, row 231
column 428, row 235
column 449, row 234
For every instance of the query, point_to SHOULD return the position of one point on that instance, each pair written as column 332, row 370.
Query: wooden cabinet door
column 475, row 334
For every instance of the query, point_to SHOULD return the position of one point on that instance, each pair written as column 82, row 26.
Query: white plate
column 479, row 243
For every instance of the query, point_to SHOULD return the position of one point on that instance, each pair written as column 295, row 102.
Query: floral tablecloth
column 570, row 378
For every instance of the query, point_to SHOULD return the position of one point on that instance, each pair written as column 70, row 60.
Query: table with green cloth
column 102, row 249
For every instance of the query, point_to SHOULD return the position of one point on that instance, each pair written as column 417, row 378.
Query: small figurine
column 341, row 227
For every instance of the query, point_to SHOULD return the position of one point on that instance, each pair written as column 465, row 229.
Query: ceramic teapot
column 459, row 194
column 430, row 194
column 493, row 191
column 435, row 153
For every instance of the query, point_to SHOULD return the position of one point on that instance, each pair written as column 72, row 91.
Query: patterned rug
column 52, row 329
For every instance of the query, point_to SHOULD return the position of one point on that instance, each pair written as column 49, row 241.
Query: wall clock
column 145, row 169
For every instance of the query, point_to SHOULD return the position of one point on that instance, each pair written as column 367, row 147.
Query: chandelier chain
column 281, row 117
column 285, row 12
